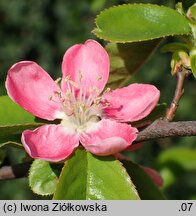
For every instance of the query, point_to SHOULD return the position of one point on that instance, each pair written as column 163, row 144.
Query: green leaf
column 88, row 177
column 119, row 74
column 173, row 47
column 43, row 177
column 16, row 129
column 139, row 22
column 11, row 143
column 14, row 119
column 193, row 61
column 174, row 163
column 12, row 114
column 182, row 157
column 13, row 140
column 146, row 188
column 97, row 5
column 127, row 59
column 159, row 111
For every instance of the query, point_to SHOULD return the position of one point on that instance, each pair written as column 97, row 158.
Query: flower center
column 82, row 109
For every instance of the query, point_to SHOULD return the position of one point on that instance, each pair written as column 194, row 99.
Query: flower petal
column 131, row 103
column 30, row 87
column 108, row 137
column 87, row 65
column 49, row 142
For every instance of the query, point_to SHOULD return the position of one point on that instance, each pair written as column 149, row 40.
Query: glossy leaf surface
column 87, row 177
column 138, row 22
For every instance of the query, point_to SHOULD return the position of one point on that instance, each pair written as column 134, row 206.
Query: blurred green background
column 42, row 30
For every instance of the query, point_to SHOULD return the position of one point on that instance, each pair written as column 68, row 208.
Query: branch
column 162, row 129
column 15, row 171
column 181, row 74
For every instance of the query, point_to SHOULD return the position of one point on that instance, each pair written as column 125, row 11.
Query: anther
column 58, row 94
column 57, row 80
column 50, row 98
column 69, row 81
column 94, row 89
column 67, row 78
column 99, row 78
column 106, row 91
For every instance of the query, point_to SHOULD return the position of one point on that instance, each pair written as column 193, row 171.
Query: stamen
column 105, row 105
column 50, row 97
column 81, row 106
column 106, row 91
column 57, row 80
column 58, row 99
column 69, row 81
column 94, row 90
column 90, row 100
column 99, row 78
column 67, row 78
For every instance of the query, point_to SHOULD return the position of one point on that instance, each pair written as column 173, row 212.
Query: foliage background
column 41, row 30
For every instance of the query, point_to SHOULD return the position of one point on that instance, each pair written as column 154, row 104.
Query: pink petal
column 31, row 87
column 91, row 61
column 131, row 103
column 49, row 142
column 108, row 137
column 154, row 175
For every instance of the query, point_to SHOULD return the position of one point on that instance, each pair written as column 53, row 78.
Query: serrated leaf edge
column 129, row 179
column 17, row 125
column 43, row 195
column 130, row 41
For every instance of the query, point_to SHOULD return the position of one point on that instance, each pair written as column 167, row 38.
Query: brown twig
column 180, row 75
column 6, row 172
column 161, row 128
column 15, row 171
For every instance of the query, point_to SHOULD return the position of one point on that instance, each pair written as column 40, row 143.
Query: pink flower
column 89, row 116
